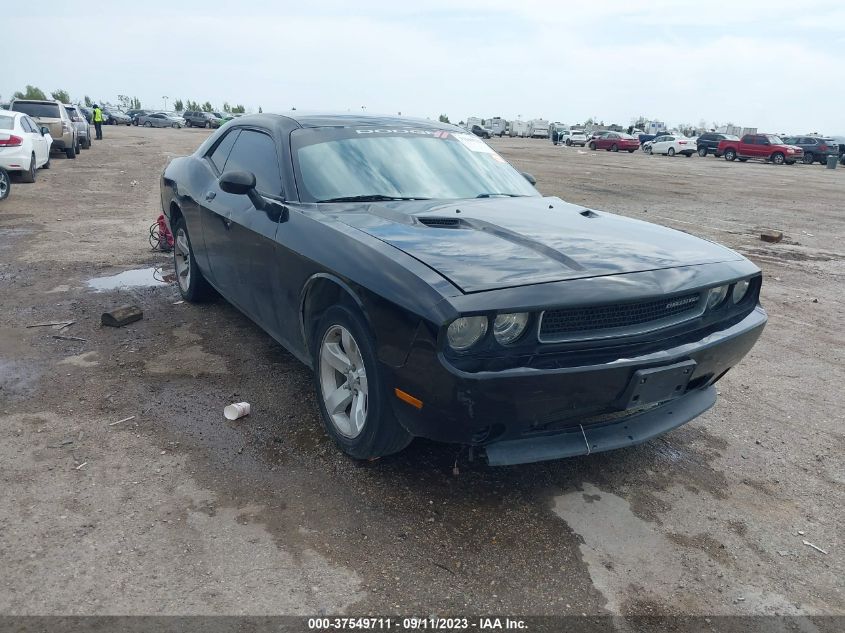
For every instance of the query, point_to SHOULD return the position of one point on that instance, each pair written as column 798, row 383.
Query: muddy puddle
column 138, row 278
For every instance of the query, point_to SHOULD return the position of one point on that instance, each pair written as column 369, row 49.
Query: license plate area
column 657, row 384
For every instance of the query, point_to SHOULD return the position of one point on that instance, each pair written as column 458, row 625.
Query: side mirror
column 529, row 177
column 242, row 183
column 44, row 130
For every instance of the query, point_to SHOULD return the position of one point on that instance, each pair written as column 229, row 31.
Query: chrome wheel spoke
column 335, row 356
column 358, row 412
column 182, row 242
column 339, row 399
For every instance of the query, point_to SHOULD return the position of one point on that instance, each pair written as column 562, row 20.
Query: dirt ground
column 178, row 511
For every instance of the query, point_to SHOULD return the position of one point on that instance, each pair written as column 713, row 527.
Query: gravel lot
column 178, row 511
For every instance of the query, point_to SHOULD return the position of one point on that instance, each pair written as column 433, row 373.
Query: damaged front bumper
column 528, row 414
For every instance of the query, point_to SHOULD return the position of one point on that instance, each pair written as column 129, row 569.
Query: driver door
column 240, row 239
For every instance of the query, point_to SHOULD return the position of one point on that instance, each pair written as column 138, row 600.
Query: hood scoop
column 443, row 223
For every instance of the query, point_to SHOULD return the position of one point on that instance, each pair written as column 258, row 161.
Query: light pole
column 165, row 102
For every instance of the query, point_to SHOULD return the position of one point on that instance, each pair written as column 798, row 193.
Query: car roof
column 312, row 120
column 50, row 101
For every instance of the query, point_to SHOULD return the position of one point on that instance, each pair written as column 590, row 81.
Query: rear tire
column 208, row 125
column 70, row 152
column 670, row 152
column 29, row 174
column 630, row 151
column 47, row 164
column 147, row 124
column 5, row 184
column 614, row 148
column 192, row 284
column 568, row 143
column 376, row 432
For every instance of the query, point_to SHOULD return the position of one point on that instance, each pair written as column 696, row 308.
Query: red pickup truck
column 760, row 146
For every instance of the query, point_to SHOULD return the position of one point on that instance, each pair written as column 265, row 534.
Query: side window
column 256, row 152
column 25, row 125
column 221, row 152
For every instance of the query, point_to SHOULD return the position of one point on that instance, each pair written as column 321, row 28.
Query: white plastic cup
column 236, row 410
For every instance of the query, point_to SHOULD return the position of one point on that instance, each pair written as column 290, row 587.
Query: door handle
column 210, row 196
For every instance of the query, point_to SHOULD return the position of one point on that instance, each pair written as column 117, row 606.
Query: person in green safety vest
column 97, row 118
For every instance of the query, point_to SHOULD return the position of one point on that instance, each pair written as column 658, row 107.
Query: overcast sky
column 778, row 65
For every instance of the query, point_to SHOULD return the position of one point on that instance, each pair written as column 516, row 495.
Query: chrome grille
column 562, row 324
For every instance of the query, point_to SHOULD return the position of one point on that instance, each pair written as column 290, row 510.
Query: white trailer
column 498, row 126
column 473, row 120
column 519, row 128
column 538, row 128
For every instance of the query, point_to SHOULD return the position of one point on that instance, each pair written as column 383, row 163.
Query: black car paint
column 509, row 255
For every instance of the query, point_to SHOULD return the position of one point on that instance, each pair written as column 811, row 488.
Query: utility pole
column 165, row 102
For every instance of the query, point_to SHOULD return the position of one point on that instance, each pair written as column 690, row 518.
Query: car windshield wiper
column 491, row 195
column 372, row 197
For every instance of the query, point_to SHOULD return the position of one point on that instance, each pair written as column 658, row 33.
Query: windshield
column 332, row 163
column 730, row 137
column 49, row 110
column 774, row 140
column 623, row 135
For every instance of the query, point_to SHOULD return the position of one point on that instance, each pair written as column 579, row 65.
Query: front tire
column 147, row 124
column 702, row 151
column 778, row 158
column 568, row 143
column 352, row 395
column 192, row 284
column 593, row 146
column 808, row 159
column 614, row 148
column 730, row 155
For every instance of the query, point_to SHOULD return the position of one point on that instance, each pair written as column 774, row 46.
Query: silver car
column 83, row 128
column 160, row 119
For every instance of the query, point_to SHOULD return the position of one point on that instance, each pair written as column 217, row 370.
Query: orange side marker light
column 406, row 397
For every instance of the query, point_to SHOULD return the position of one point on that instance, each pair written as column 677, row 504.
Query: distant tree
column 207, row 107
column 178, row 105
column 260, row 110
column 31, row 93
column 61, row 95
column 238, row 109
column 88, row 101
column 226, row 107
column 443, row 118
column 136, row 103
column 192, row 105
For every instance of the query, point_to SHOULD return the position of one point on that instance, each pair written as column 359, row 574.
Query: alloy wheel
column 343, row 381
column 182, row 258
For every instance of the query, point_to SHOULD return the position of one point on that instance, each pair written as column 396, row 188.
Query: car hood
column 493, row 243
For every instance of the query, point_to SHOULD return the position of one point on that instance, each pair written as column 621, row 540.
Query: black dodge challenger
column 436, row 293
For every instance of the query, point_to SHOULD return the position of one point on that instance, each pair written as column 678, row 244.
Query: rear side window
column 256, row 152
column 7, row 123
column 50, row 110
column 221, row 152
column 25, row 124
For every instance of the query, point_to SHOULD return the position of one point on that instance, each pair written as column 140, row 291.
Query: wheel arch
column 321, row 291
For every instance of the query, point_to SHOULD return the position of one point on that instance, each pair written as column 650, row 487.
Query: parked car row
column 53, row 117
column 30, row 130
